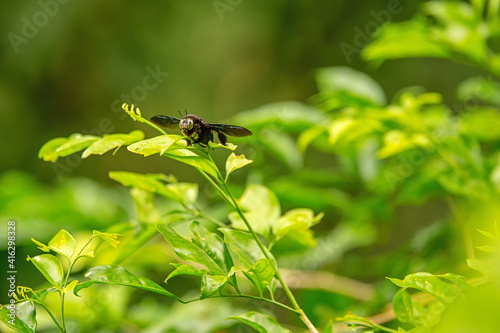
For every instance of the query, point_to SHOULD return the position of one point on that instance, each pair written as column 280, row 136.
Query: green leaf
column 487, row 234
column 487, row 268
column 260, row 322
column 181, row 269
column 404, row 40
column 48, row 152
column 184, row 193
column 483, row 123
column 111, row 141
column 24, row 319
column 75, row 143
column 188, row 250
column 431, row 284
column 352, row 318
column 157, row 145
column 110, row 238
column 215, row 247
column 141, row 235
column 210, row 284
column 234, row 162
column 50, row 266
column 346, row 131
column 460, row 29
column 40, row 245
column 244, row 246
column 283, row 147
column 402, row 306
column 188, row 157
column 487, row 248
column 458, row 280
column 293, row 220
column 308, row 136
column 346, row 79
column 60, row 147
column 63, row 243
column 261, row 274
column 228, row 146
column 145, row 205
column 329, row 327
column 287, row 116
column 117, row 275
column 479, row 88
column 187, row 192
column 260, row 207
column 211, row 244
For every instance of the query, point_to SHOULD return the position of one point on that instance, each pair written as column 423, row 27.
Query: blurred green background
column 78, row 67
column 71, row 71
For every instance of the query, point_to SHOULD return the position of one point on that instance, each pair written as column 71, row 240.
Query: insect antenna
column 185, row 112
column 179, row 113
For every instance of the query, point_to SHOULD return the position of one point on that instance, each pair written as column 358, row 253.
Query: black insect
column 199, row 131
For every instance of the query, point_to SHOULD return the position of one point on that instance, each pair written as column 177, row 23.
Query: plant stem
column 268, row 256
column 50, row 314
column 226, row 194
column 63, row 328
column 251, row 297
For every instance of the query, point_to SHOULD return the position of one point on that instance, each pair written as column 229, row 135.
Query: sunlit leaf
column 329, row 327
column 431, row 284
column 235, row 162
column 117, row 275
column 487, row 248
column 157, row 145
column 293, row 220
column 244, row 246
column 210, row 284
column 261, row 274
column 189, row 251
column 460, row 28
column 181, row 269
column 402, row 306
column 48, row 152
column 261, row 208
column 40, row 245
column 61, row 147
column 347, row 79
column 487, row 234
column 112, row 141
column 63, row 243
column 70, row 286
column 24, row 319
column 479, row 88
column 212, row 244
column 130, row 245
column 187, row 192
column 188, row 157
column 184, row 193
column 228, row 146
column 404, row 40
column 483, row 123
column 260, row 322
column 288, row 115
column 308, row 136
column 50, row 266
column 110, row 238
column 145, row 205
column 354, row 319
column 488, row 268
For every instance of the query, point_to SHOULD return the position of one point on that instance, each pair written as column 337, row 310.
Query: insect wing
column 231, row 130
column 166, row 121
